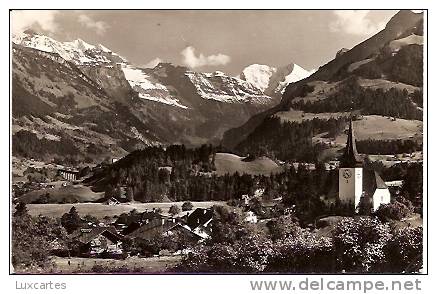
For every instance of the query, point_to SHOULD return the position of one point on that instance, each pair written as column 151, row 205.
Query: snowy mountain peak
column 258, row 75
column 82, row 45
column 103, row 48
column 77, row 51
column 266, row 77
column 296, row 73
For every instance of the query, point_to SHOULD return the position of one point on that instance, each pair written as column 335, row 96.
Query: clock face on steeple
column 347, row 173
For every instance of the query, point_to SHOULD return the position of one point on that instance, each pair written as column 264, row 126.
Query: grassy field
column 84, row 265
column 382, row 128
column 101, row 210
column 385, row 85
column 231, row 163
column 298, row 115
column 60, row 194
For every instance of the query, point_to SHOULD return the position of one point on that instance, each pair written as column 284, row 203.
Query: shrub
column 174, row 209
column 187, row 206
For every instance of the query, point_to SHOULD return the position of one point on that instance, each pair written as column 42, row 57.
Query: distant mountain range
column 92, row 98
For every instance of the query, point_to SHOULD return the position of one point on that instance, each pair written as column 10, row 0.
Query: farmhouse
column 356, row 184
column 149, row 229
column 180, row 230
column 199, row 221
column 97, row 240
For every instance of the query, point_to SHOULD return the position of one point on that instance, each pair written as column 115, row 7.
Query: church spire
column 350, row 156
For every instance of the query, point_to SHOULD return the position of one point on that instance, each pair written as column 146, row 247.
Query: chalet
column 199, row 221
column 144, row 218
column 97, row 240
column 112, row 201
column 69, row 174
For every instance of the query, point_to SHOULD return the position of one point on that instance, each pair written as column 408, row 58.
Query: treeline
column 290, row 141
column 27, row 144
column 406, row 66
column 352, row 96
column 355, row 245
column 175, row 173
column 388, row 146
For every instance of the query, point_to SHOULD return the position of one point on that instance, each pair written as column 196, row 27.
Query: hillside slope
column 80, row 100
column 382, row 76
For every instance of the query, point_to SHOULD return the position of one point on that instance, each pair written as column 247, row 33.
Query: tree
column 174, row 209
column 359, row 244
column 365, row 205
column 392, row 211
column 71, row 221
column 33, row 238
column 405, row 250
column 129, row 194
column 306, row 252
column 21, row 210
column 187, row 205
column 282, row 227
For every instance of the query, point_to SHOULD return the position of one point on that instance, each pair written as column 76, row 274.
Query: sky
column 225, row 40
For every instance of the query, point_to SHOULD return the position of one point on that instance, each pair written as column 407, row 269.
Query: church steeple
column 350, row 156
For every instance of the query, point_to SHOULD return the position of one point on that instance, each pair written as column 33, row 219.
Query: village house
column 112, row 201
column 152, row 224
column 96, row 241
column 199, row 221
column 149, row 228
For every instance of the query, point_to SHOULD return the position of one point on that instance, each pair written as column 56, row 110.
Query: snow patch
column 146, row 88
column 220, row 87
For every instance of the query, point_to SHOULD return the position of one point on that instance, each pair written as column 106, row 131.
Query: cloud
column 100, row 27
column 190, row 59
column 25, row 19
column 355, row 22
column 152, row 63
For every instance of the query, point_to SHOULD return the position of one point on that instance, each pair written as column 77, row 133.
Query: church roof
column 372, row 181
column 350, row 157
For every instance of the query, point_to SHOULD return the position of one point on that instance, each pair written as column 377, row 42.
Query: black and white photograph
column 217, row 141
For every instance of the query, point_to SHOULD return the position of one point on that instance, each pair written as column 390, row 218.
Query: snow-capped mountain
column 104, row 101
column 258, row 75
column 220, row 87
column 77, row 51
column 215, row 86
column 272, row 80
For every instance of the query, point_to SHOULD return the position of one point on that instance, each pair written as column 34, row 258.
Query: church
column 357, row 183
